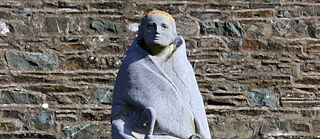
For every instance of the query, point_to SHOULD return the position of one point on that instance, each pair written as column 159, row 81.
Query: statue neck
column 165, row 54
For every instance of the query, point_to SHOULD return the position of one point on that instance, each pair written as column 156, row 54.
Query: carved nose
column 158, row 29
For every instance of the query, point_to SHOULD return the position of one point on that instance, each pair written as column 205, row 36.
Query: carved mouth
column 157, row 37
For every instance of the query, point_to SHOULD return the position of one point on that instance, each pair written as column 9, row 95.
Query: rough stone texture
column 102, row 96
column 81, row 131
column 43, row 121
column 30, row 61
column 19, row 97
column 67, row 53
column 263, row 97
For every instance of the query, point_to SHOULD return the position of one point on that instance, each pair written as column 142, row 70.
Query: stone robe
column 169, row 88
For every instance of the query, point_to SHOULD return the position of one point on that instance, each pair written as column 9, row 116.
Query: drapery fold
column 169, row 88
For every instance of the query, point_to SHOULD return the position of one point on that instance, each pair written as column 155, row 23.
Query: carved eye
column 164, row 26
column 150, row 25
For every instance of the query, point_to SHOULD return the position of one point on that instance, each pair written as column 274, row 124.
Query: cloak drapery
column 169, row 88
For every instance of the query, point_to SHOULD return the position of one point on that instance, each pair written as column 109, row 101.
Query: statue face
column 159, row 31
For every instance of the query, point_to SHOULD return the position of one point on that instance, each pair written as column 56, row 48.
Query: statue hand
column 178, row 41
column 195, row 136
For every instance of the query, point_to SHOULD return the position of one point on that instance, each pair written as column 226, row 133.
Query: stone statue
column 156, row 94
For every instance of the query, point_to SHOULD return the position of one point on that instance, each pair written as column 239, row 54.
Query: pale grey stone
column 156, row 94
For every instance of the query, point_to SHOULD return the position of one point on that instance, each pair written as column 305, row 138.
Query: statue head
column 157, row 31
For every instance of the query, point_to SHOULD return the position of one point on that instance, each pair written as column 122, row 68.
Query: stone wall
column 257, row 63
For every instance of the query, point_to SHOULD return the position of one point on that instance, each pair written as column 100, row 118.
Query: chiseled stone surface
column 256, row 63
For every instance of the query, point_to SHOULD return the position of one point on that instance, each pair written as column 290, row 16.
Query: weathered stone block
column 20, row 97
column 25, row 28
column 71, row 47
column 302, row 127
column 257, row 29
column 4, row 28
column 103, row 26
column 230, row 128
column 313, row 49
column 107, row 5
column 292, row 28
column 284, row 13
column 30, row 61
column 68, row 98
column 310, row 67
column 263, row 97
column 268, row 45
column 81, row 131
column 95, row 116
column 102, row 96
column 43, row 121
column 212, row 42
column 254, row 14
column 27, row 135
column 309, row 80
column 221, row 28
column 309, row 10
column 299, row 94
column 267, row 126
column 52, row 88
column 284, row 124
column 10, row 125
column 187, row 26
column 11, row 114
column 307, row 113
column 56, row 25
column 65, row 100
column 316, row 125
column 206, row 15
